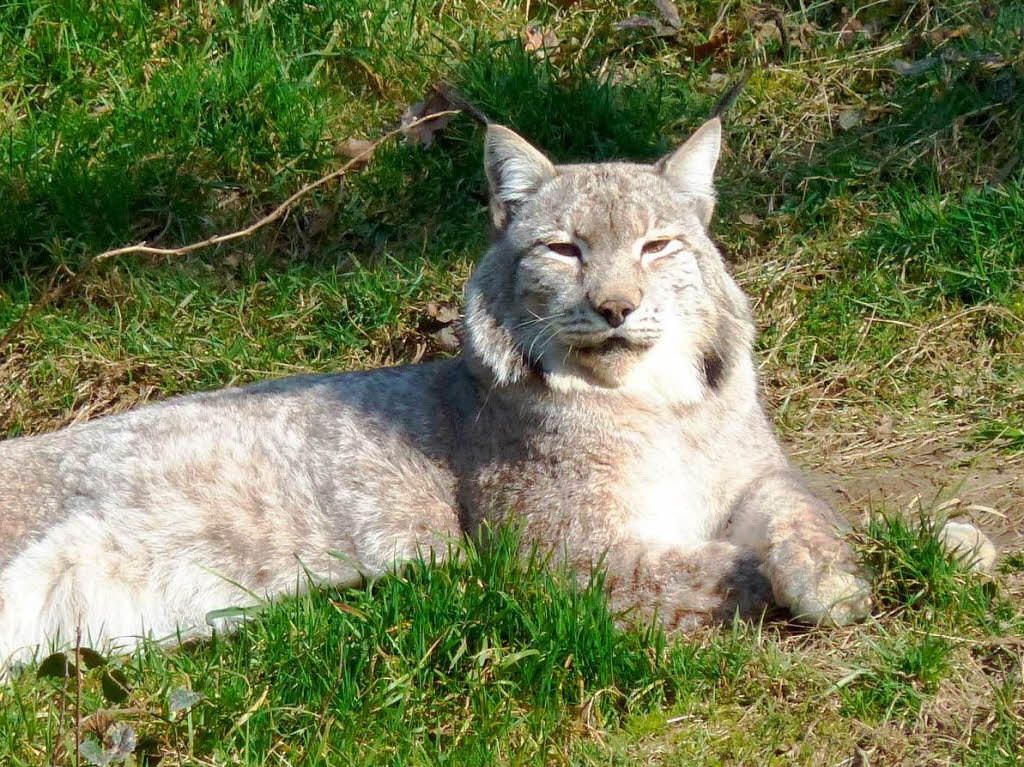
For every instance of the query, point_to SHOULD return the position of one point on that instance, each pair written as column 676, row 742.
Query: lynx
column 605, row 399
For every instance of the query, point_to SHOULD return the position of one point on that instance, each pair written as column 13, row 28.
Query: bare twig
column 56, row 747
column 780, row 24
column 62, row 289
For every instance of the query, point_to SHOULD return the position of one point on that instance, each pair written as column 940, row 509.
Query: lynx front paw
column 966, row 541
column 822, row 591
column 835, row 597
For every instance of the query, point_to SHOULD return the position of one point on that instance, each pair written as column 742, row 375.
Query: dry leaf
column 848, row 31
column 767, row 32
column 940, row 35
column 540, row 41
column 423, row 134
column 118, row 744
column 717, row 80
column 442, row 311
column 534, row 39
column 714, row 44
column 342, row 607
column 440, row 321
column 853, row 28
column 669, row 13
column 181, row 699
column 850, row 118
column 447, row 339
column 321, row 220
column 801, row 36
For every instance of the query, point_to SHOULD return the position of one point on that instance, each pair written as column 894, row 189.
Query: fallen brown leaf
column 851, row 29
column 848, row 31
column 708, row 49
column 940, row 35
column 447, row 338
column 801, row 37
column 423, row 133
column 444, row 312
column 540, row 41
column 354, row 147
column 440, row 321
column 767, row 32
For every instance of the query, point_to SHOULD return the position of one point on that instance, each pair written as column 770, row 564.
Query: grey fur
column 645, row 443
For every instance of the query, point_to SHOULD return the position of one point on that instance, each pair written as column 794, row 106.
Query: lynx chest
column 673, row 493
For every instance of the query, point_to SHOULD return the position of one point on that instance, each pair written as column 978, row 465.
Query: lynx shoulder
column 606, row 397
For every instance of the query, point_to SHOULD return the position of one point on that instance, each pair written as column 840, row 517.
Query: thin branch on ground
column 65, row 287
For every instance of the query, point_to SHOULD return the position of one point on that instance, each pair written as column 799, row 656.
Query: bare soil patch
column 925, row 471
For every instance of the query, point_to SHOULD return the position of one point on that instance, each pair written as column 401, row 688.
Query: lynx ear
column 515, row 170
column 691, row 168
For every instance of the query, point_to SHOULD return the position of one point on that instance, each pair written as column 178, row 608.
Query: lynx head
column 602, row 276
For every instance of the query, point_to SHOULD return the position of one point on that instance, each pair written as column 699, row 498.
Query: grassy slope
column 876, row 219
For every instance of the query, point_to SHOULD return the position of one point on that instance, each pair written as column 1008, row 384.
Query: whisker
column 540, row 334
column 549, row 339
column 529, row 352
column 537, row 319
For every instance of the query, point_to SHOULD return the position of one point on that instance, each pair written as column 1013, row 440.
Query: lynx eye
column 567, row 249
column 564, row 249
column 656, row 247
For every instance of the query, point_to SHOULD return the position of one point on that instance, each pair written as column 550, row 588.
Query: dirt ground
column 921, row 472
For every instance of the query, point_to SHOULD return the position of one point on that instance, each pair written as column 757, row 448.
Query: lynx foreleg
column 811, row 567
column 687, row 588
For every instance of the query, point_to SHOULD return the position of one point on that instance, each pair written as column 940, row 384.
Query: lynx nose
column 615, row 311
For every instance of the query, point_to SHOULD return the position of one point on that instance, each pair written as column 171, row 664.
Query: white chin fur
column 662, row 376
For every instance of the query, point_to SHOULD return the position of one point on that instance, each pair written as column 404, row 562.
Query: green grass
column 493, row 657
column 927, row 254
column 901, row 674
column 490, row 655
column 914, row 573
column 884, row 255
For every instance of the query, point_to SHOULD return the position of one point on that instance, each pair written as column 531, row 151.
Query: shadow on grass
column 230, row 127
column 958, row 125
column 238, row 117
